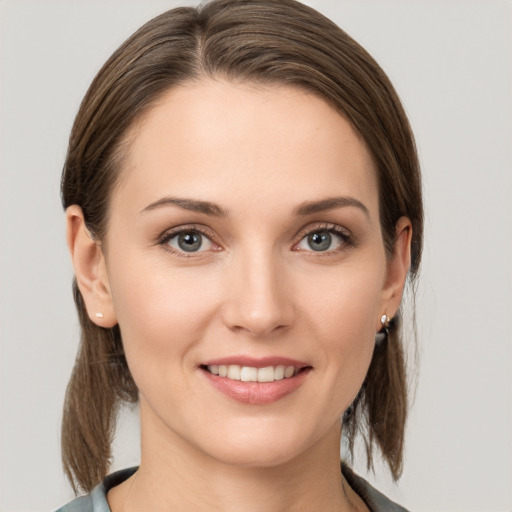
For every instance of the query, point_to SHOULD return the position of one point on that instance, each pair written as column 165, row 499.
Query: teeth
column 266, row 374
column 248, row 374
column 288, row 372
column 251, row 374
column 234, row 372
column 279, row 373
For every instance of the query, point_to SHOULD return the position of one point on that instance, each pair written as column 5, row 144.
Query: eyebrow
column 188, row 204
column 310, row 207
column 306, row 208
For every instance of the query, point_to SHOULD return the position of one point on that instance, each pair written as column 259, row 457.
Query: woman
column 243, row 204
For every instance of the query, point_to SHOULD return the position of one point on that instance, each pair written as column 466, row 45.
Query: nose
column 259, row 297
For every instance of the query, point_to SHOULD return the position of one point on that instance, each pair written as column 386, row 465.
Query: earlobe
column 397, row 268
column 90, row 269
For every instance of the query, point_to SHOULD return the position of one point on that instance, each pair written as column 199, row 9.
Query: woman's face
column 244, row 239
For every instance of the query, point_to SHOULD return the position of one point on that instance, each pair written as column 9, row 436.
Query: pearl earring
column 384, row 320
column 99, row 315
column 381, row 335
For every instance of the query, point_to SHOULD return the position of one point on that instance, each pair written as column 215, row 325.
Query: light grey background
column 451, row 62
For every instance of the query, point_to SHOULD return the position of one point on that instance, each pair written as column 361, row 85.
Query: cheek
column 347, row 301
column 161, row 312
column 343, row 320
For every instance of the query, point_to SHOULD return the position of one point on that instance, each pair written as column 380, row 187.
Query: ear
column 90, row 269
column 397, row 269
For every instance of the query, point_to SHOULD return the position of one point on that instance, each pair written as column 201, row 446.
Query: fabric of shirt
column 96, row 501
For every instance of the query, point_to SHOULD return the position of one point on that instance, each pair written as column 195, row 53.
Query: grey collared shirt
column 96, row 501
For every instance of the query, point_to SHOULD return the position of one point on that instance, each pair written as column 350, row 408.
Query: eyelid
column 168, row 234
column 342, row 232
column 164, row 237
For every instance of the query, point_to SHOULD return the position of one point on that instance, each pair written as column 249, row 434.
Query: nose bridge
column 259, row 297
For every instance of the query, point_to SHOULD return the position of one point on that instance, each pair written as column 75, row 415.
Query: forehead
column 213, row 137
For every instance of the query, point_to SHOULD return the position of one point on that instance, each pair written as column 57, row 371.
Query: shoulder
column 81, row 504
column 374, row 499
column 96, row 500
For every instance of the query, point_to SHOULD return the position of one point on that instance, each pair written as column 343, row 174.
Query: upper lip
column 261, row 362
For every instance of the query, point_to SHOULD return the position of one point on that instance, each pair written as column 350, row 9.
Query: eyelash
column 167, row 236
column 346, row 237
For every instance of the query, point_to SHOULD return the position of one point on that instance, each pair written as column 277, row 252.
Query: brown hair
column 259, row 41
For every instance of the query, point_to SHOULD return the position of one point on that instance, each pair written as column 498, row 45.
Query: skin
column 256, row 288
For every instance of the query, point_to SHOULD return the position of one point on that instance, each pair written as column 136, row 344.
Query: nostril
column 258, row 300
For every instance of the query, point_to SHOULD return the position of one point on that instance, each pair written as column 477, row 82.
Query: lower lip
column 256, row 393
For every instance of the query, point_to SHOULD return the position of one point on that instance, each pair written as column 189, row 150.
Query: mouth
column 252, row 373
column 256, row 382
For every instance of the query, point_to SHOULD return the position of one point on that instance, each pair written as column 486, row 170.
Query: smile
column 253, row 374
column 256, row 381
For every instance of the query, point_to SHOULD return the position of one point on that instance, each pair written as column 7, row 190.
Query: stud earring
column 381, row 335
column 384, row 320
column 99, row 315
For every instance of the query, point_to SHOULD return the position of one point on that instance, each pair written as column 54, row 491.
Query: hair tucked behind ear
column 379, row 411
column 267, row 42
column 99, row 383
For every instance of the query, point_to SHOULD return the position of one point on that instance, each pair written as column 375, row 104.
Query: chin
column 256, row 456
column 264, row 447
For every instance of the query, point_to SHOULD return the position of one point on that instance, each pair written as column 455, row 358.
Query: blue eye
column 321, row 241
column 189, row 241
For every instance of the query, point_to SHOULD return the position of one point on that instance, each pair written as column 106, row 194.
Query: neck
column 181, row 478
